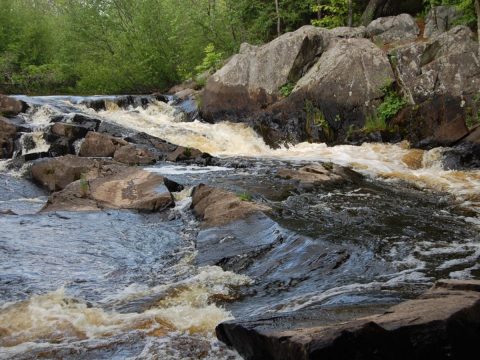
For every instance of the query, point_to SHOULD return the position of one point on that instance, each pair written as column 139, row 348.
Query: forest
column 140, row 46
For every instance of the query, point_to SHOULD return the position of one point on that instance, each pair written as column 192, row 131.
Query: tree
column 477, row 11
column 277, row 10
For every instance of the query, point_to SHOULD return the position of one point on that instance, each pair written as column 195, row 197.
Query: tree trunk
column 477, row 10
column 319, row 11
column 277, row 9
column 350, row 13
column 371, row 10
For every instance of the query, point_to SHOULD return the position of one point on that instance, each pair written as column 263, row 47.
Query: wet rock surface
column 219, row 207
column 442, row 324
column 10, row 106
column 129, row 188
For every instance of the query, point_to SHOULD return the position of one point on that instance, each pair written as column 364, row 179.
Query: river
column 124, row 285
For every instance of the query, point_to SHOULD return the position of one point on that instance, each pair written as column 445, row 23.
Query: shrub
column 287, row 89
column 211, row 61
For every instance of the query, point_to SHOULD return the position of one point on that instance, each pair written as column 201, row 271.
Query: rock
column 393, row 28
column 340, row 89
column 349, row 32
column 100, row 145
column 11, row 107
column 219, row 207
column 320, row 174
column 165, row 151
column 381, row 8
column 70, row 131
column 7, row 212
column 83, row 121
column 465, row 156
column 436, row 122
column 440, row 19
column 413, row 159
column 189, row 85
column 443, row 324
column 252, row 79
column 446, row 65
column 56, row 173
column 8, row 133
column 474, row 136
column 129, row 188
column 134, row 155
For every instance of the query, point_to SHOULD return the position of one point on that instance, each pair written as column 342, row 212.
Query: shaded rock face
column 128, row 188
column 219, row 207
column 8, row 132
column 100, row 145
column 436, row 122
column 443, row 324
column 251, row 80
column 446, row 65
column 10, row 106
column 382, row 8
column 393, row 28
column 439, row 20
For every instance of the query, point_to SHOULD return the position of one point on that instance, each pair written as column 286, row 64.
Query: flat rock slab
column 318, row 174
column 219, row 207
column 130, row 188
column 443, row 324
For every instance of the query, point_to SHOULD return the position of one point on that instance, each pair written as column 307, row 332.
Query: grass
column 287, row 89
column 245, row 196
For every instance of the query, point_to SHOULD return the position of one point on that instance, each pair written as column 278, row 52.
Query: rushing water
column 117, row 284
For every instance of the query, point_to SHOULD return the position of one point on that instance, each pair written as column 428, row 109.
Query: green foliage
column 245, row 196
column 287, row 89
column 211, row 61
column 473, row 112
column 375, row 123
column 84, row 186
column 187, row 152
column 391, row 105
column 466, row 8
column 334, row 13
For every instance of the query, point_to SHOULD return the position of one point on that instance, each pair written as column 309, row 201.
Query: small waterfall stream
column 118, row 284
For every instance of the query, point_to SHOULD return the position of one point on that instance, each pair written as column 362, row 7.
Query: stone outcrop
column 10, row 107
column 440, row 19
column 393, row 28
column 134, row 155
column 219, row 207
column 128, row 188
column 381, row 8
column 320, row 174
column 445, row 65
column 444, row 323
column 100, row 145
column 252, row 79
column 349, row 32
column 56, row 173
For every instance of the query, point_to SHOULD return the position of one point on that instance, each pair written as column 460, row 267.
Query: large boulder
column 440, row 19
column 56, row 173
column 439, row 121
column 100, row 145
column 219, row 207
column 129, row 188
column 10, row 107
column 252, row 79
column 445, row 65
column 443, row 324
column 8, row 132
column 349, row 32
column 393, row 28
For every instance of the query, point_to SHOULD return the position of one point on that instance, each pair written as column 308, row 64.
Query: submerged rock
column 442, row 324
column 219, row 207
column 129, row 188
column 320, row 174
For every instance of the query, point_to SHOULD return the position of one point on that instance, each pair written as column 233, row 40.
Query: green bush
column 211, row 61
column 287, row 89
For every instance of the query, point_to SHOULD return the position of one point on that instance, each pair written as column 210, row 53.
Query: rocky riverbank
column 395, row 79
